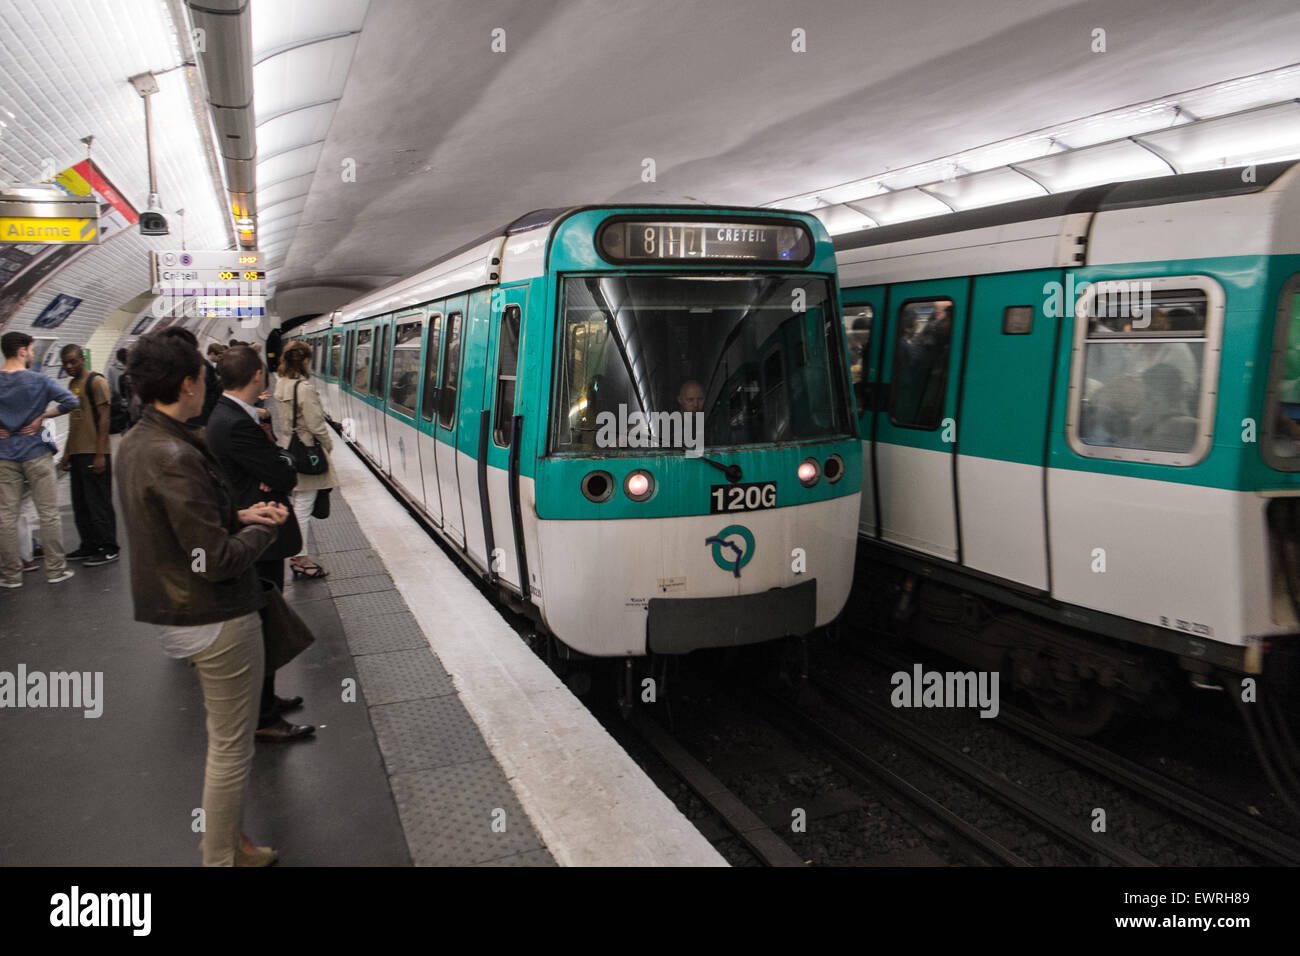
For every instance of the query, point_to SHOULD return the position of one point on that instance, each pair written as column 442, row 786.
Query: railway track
column 854, row 763
column 748, row 826
column 1258, row 838
column 1065, row 829
column 1152, row 787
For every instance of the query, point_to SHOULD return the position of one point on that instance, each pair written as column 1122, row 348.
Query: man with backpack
column 86, row 458
column 119, row 385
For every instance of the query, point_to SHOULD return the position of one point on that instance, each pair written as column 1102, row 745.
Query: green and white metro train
column 1085, row 409
column 634, row 421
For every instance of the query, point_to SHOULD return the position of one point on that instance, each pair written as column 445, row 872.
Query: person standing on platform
column 86, row 457
column 192, row 555
column 115, row 370
column 26, row 455
column 294, row 385
column 211, row 380
column 257, row 471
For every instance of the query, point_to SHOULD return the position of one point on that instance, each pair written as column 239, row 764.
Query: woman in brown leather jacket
column 192, row 575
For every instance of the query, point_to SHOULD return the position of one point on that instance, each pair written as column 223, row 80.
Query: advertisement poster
column 57, row 312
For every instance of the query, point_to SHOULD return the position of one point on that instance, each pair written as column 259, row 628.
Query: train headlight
column 809, row 472
column 598, row 486
column 639, row 485
column 834, row 469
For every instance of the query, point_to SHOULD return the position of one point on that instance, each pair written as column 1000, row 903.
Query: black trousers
column 92, row 503
column 272, row 571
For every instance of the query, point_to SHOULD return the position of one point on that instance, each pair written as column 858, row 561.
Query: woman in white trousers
column 311, row 427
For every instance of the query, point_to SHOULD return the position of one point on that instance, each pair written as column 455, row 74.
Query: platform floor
column 421, row 767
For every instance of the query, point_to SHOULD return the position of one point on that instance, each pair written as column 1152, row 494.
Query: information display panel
column 650, row 241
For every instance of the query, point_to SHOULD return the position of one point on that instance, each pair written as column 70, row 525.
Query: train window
column 381, row 362
column 1142, row 356
column 361, row 363
column 450, row 373
column 1280, row 442
column 921, row 352
column 1018, row 320
column 668, row 347
column 349, row 356
column 336, row 350
column 507, row 363
column 431, row 367
column 776, row 404
column 406, row 368
column 857, row 330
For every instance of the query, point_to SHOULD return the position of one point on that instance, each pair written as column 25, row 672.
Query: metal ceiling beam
column 225, row 58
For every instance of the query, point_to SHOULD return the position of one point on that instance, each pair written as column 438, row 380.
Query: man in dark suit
column 258, row 471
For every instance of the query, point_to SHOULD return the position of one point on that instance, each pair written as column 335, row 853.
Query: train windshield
column 757, row 357
column 1282, row 449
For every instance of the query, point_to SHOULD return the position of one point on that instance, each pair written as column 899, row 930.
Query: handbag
column 284, row 634
column 321, row 506
column 308, row 459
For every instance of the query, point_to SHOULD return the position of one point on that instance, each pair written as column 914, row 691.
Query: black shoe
column 81, row 554
column 284, row 706
column 102, row 557
column 282, row 730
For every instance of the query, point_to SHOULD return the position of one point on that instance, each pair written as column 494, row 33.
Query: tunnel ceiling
column 393, row 131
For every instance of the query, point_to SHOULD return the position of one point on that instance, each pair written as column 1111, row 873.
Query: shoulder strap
column 87, row 394
column 295, row 403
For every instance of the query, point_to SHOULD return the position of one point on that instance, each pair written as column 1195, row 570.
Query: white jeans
column 303, row 502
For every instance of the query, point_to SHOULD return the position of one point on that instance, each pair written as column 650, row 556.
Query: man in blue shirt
column 26, row 455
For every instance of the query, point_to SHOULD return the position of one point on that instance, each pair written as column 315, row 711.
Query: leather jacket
column 191, row 559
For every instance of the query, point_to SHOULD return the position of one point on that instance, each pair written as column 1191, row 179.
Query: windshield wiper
column 733, row 472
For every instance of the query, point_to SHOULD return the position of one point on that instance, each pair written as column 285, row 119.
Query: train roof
column 1184, row 187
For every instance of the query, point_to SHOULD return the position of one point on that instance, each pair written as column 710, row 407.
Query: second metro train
column 1081, row 424
column 633, row 421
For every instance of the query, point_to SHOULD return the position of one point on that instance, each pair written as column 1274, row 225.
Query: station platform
column 458, row 747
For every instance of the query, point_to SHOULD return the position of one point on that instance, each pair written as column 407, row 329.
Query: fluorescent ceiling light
column 1259, row 136
column 1244, row 93
column 842, row 219
column 986, row 189
column 904, row 205
column 1119, row 124
column 1108, row 163
column 1180, row 133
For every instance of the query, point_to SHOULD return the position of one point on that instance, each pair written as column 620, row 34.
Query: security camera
column 153, row 224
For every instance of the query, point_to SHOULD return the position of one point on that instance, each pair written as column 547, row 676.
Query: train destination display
column 643, row 241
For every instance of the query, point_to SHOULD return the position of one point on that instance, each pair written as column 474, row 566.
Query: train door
column 428, row 424
column 1005, row 404
column 472, row 440
column 403, row 391
column 861, row 308
column 916, row 429
column 508, row 309
column 332, row 375
column 378, row 392
column 347, row 400
column 363, row 362
column 448, row 425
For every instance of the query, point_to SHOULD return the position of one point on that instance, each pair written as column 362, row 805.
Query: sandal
column 309, row 569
